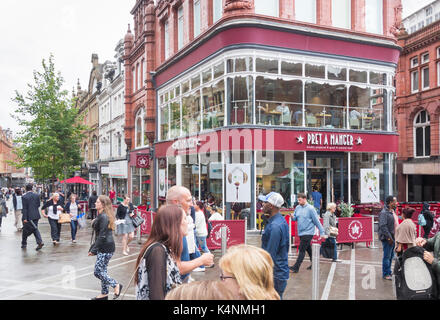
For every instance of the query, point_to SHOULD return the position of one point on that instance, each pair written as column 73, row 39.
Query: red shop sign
column 355, row 230
column 142, row 161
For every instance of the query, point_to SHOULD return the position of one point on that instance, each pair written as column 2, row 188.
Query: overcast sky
column 70, row 29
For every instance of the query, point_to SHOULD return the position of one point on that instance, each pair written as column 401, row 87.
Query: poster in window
column 238, row 185
column 370, row 187
column 162, row 183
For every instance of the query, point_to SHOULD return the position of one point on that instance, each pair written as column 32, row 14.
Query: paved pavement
column 65, row 272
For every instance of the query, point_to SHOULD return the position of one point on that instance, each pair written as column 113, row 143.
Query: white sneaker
column 199, row 269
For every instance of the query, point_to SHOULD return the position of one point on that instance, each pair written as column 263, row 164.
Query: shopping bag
column 64, row 218
column 82, row 220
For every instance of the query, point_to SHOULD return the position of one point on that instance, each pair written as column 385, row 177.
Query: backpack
column 413, row 277
column 421, row 220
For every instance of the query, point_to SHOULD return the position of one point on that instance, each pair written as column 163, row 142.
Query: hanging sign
column 370, row 191
column 238, row 185
column 142, row 161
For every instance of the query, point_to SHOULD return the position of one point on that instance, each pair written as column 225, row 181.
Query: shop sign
column 118, row 169
column 238, row 186
column 370, row 186
column 162, row 183
column 93, row 168
column 329, row 140
column 142, row 161
column 184, row 144
column 104, row 170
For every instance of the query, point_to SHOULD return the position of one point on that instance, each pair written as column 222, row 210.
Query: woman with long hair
column 248, row 271
column 157, row 270
column 201, row 227
column 104, row 246
column 73, row 208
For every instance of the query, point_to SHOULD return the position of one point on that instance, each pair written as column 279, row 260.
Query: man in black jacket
column 386, row 235
column 92, row 208
column 31, row 215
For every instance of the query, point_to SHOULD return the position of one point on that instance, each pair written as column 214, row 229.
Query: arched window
column 139, row 129
column 95, row 148
column 422, row 134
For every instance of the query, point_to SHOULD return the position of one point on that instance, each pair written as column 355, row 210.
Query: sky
column 72, row 30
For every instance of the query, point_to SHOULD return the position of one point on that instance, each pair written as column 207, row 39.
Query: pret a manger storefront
column 257, row 108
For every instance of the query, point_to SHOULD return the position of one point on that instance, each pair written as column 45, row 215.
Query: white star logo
column 300, row 139
column 355, row 229
column 359, row 140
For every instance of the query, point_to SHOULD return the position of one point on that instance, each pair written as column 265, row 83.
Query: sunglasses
column 222, row 277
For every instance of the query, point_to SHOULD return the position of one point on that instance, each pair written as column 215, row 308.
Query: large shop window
column 164, row 121
column 423, row 188
column 282, row 172
column 190, row 173
column 278, row 102
column 366, row 107
column 325, row 105
column 140, row 186
column 305, row 10
column 422, row 134
column 213, row 105
column 240, row 90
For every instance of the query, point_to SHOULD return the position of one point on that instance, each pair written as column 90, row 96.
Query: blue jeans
column 388, row 255
column 73, row 228
column 280, row 286
column 201, row 241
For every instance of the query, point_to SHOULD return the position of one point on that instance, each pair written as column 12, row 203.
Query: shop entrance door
column 319, row 180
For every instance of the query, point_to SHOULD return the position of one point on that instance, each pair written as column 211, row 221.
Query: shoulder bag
column 137, row 220
column 333, row 232
column 64, row 218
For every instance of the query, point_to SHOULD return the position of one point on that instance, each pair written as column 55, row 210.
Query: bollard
column 315, row 270
column 224, row 241
column 373, row 246
column 290, row 236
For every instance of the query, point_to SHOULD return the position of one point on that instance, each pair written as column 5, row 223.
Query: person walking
column 45, row 196
column 386, row 235
column 275, row 240
column 429, row 218
column 73, row 208
column 201, row 227
column 18, row 207
column 112, row 195
column 249, row 272
column 3, row 209
column 307, row 219
column 330, row 221
column 92, row 201
column 54, row 208
column 317, row 200
column 104, row 247
column 157, row 266
column 406, row 232
column 30, row 217
column 125, row 226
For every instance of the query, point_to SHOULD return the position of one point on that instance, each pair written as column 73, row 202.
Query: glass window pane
column 337, row 73
column 426, row 78
column 185, row 87
column 195, row 82
column 191, row 113
column 213, row 105
column 241, row 99
column 291, row 68
column 266, row 65
column 358, row 76
column 207, row 75
column 177, row 91
column 219, row 70
column 305, row 10
column 315, row 71
column 196, row 18
column 267, row 7
column 164, row 119
column 415, row 81
column 175, row 119
column 378, row 78
column 428, row 141
column 341, row 13
column 278, row 102
column 374, row 16
column 423, row 117
column 419, row 142
column 218, row 9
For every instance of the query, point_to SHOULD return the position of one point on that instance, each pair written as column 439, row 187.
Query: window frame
column 423, row 125
column 422, row 73
column 412, row 83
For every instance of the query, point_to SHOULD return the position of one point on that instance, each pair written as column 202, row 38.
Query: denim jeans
column 201, row 241
column 388, row 255
column 335, row 253
column 280, row 286
column 73, row 228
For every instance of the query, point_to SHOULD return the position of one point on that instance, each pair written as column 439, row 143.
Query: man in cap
column 275, row 240
column 307, row 219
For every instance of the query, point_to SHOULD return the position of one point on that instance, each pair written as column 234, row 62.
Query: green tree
column 50, row 142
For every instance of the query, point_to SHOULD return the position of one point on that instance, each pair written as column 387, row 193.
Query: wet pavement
column 65, row 272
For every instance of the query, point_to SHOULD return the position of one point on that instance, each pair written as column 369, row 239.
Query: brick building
column 417, row 112
column 312, row 79
column 9, row 175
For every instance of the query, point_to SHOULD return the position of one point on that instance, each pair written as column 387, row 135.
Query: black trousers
column 55, row 229
column 426, row 231
column 26, row 234
column 304, row 246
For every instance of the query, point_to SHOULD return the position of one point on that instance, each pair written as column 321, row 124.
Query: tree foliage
column 50, row 142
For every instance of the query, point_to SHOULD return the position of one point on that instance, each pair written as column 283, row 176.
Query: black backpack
column 413, row 277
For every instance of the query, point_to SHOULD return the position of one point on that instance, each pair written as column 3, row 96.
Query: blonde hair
column 201, row 290
column 252, row 267
column 331, row 205
column 108, row 210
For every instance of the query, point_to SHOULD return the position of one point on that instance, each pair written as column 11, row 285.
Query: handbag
column 64, row 218
column 333, row 232
column 30, row 226
column 137, row 220
column 92, row 242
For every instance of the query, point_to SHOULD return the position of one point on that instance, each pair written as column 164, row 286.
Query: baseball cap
column 275, row 199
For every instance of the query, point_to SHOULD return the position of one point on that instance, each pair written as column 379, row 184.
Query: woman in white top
column 201, row 228
column 54, row 208
column 18, row 206
column 73, row 208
